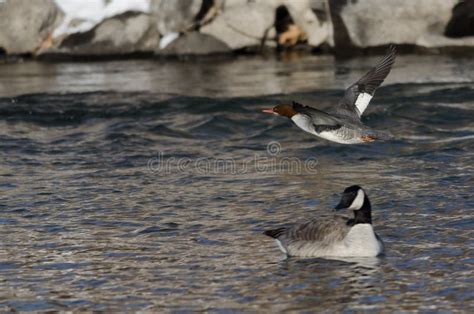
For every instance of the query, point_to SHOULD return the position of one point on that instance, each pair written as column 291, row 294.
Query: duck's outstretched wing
column 359, row 94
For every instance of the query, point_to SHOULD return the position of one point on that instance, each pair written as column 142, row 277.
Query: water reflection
column 355, row 278
column 228, row 77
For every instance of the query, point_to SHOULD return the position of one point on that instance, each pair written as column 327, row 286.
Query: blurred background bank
column 103, row 28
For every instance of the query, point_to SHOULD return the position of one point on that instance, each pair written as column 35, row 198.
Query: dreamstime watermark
column 270, row 163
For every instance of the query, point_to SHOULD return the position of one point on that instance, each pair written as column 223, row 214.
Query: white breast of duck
column 341, row 136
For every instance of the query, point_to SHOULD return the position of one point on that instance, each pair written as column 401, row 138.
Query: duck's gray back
column 318, row 235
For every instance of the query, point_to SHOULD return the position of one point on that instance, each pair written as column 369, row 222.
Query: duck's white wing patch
column 362, row 102
column 361, row 92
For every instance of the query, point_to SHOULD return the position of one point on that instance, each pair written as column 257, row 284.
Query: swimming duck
column 334, row 236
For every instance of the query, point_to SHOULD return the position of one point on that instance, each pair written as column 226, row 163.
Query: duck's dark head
column 285, row 110
column 354, row 198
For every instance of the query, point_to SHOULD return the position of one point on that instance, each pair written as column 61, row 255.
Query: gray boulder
column 369, row 23
column 194, row 43
column 127, row 33
column 242, row 26
column 25, row 25
column 175, row 16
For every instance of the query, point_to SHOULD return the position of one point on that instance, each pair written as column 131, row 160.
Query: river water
column 145, row 185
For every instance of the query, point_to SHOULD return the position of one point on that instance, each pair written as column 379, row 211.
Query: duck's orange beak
column 268, row 110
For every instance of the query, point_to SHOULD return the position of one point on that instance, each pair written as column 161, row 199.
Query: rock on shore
column 127, row 33
column 25, row 25
column 368, row 23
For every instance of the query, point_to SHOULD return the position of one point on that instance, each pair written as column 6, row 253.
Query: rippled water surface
column 142, row 185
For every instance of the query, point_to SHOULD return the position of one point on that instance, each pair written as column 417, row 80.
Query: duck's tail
column 275, row 233
column 374, row 135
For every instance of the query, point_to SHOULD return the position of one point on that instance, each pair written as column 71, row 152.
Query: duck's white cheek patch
column 362, row 102
column 358, row 201
column 282, row 248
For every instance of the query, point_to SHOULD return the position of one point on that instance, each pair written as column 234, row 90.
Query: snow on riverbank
column 83, row 15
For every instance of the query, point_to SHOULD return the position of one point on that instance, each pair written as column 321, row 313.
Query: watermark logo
column 271, row 162
column 273, row 148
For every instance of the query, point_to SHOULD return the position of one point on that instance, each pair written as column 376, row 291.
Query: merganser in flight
column 342, row 123
column 334, row 236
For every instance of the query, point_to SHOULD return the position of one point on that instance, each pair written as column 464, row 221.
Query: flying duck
column 334, row 236
column 342, row 123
